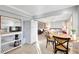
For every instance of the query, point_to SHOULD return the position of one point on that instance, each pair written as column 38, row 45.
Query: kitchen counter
column 9, row 33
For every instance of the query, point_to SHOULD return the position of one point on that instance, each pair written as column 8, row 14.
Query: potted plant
column 73, row 31
column 74, row 34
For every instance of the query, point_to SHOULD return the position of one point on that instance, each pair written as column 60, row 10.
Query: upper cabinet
column 7, row 22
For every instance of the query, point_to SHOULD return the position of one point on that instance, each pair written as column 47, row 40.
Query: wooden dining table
column 60, row 35
column 72, row 38
column 73, row 42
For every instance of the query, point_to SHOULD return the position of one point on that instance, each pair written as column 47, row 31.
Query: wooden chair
column 50, row 39
column 61, row 44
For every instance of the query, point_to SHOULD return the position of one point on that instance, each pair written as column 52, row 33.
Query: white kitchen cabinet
column 7, row 38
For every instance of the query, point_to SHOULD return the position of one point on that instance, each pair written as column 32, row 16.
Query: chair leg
column 53, row 45
column 66, row 52
column 55, row 51
column 46, row 44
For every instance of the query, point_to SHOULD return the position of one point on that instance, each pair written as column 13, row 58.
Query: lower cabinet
column 10, row 42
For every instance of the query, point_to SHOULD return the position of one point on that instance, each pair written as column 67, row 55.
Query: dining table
column 73, row 37
column 73, row 42
column 60, row 35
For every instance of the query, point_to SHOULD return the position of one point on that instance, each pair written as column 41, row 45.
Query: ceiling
column 55, row 18
column 47, row 13
column 39, row 9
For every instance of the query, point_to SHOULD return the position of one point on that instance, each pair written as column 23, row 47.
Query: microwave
column 14, row 29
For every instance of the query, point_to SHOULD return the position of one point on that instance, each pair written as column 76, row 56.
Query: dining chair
column 49, row 39
column 61, row 44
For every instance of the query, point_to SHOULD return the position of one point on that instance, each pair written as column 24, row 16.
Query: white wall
column 57, row 24
column 75, row 17
column 30, row 34
column 78, row 20
column 34, row 31
column 26, row 31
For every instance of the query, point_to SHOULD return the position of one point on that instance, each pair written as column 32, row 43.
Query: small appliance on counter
column 14, row 29
column 17, row 43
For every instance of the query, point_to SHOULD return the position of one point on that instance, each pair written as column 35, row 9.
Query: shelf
column 7, row 42
column 8, row 48
column 10, row 33
column 7, row 39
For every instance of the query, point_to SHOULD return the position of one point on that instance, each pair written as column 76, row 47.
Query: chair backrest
column 61, row 41
column 48, row 35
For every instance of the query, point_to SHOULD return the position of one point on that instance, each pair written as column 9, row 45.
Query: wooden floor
column 40, row 48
